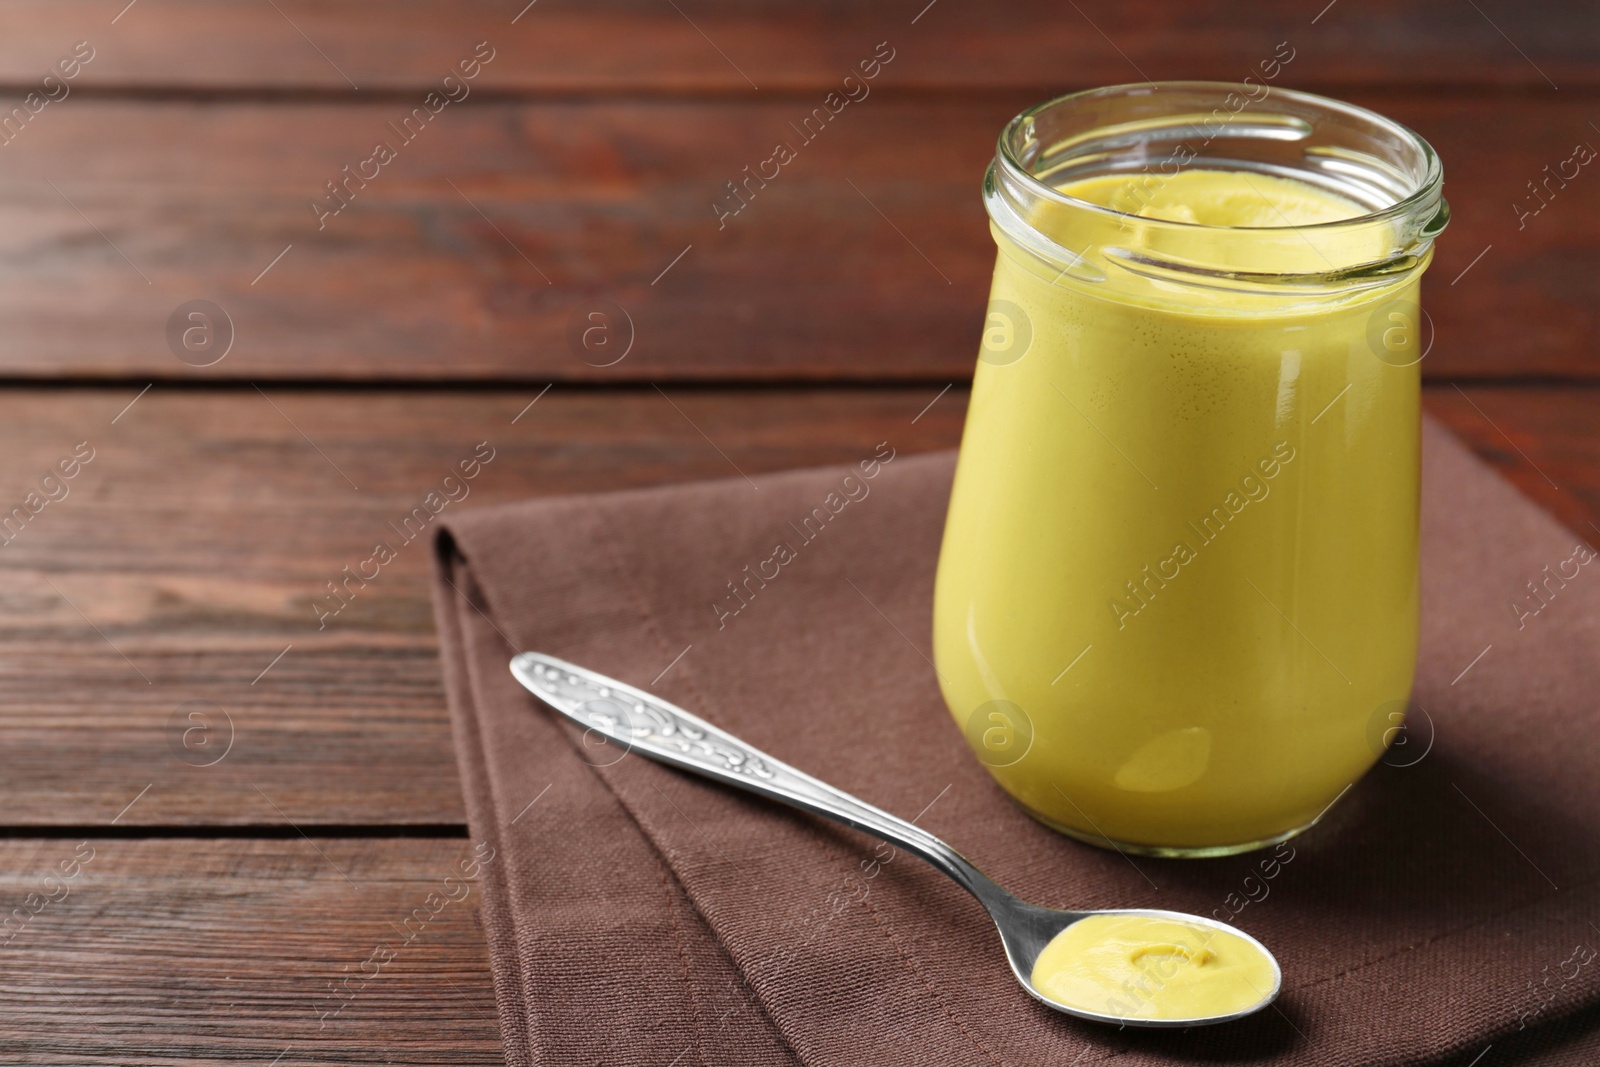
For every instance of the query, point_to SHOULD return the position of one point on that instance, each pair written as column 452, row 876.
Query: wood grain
column 188, row 554
column 722, row 46
column 1545, row 440
column 243, row 951
column 196, row 541
column 221, row 952
column 477, row 253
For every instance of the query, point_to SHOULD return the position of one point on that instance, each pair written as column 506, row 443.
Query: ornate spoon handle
column 646, row 724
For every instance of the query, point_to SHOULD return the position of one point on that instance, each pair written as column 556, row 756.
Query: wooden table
column 214, row 810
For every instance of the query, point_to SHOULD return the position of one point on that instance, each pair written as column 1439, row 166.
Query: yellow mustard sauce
column 1147, row 967
column 1146, row 577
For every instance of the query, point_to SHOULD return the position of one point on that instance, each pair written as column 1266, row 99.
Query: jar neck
column 1148, row 134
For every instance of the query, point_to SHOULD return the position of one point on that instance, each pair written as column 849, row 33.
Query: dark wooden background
column 225, row 906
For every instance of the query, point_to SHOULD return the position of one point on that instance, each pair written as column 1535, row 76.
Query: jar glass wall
column 1176, row 607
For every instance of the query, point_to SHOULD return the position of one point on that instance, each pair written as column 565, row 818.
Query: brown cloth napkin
column 638, row 916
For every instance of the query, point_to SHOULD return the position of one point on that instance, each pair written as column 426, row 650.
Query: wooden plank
column 1544, row 439
column 221, row 952
column 244, row 951
column 721, row 46
column 198, row 538
column 148, row 608
column 478, row 252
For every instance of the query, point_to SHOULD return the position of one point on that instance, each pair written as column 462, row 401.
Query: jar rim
column 1390, row 175
column 1418, row 200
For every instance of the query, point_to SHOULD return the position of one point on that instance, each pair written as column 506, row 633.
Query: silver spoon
column 640, row 722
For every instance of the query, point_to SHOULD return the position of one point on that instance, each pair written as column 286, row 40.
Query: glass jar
column 1176, row 605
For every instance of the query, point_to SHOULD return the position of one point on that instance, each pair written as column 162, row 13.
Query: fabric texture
column 638, row 915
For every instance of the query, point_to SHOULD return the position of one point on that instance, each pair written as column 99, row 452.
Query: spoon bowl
column 1025, row 930
column 646, row 724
